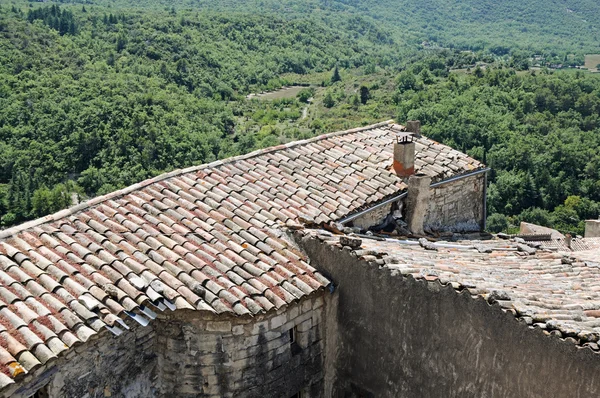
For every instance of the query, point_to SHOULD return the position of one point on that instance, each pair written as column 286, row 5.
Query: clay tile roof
column 206, row 238
column 558, row 292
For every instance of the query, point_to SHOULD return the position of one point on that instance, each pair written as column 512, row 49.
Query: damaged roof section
column 207, row 238
column 558, row 292
column 550, row 239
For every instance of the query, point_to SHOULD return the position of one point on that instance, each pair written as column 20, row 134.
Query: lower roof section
column 558, row 292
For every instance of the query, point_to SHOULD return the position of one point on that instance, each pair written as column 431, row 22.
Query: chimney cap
column 404, row 137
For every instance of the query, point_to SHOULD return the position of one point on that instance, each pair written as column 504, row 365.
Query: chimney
column 568, row 240
column 414, row 126
column 592, row 229
column 417, row 202
column 404, row 155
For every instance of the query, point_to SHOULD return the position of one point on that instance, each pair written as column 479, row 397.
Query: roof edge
column 4, row 234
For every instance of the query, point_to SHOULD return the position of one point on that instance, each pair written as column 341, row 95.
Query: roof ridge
column 4, row 234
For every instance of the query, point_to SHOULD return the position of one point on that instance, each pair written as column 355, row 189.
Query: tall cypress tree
column 336, row 75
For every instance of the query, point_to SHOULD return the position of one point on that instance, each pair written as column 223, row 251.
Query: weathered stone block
column 293, row 312
column 305, row 326
column 306, row 306
column 303, row 339
column 237, row 330
column 260, row 327
column 303, row 317
column 318, row 302
column 283, row 350
column 275, row 344
column 218, row 326
column 206, row 371
column 278, row 321
column 211, row 359
column 317, row 317
column 354, row 243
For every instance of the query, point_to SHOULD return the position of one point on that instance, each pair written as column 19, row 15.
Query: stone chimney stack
column 592, row 228
column 404, row 149
column 417, row 202
column 404, row 155
column 414, row 126
column 568, row 240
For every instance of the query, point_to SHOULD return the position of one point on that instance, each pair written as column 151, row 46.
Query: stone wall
column 592, row 228
column 105, row 366
column 457, row 206
column 195, row 354
column 219, row 356
column 373, row 217
column 398, row 337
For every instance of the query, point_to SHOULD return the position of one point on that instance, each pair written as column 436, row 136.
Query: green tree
column 406, row 81
column 497, row 223
column 354, row 101
column 121, row 43
column 566, row 220
column 478, row 72
column 535, row 215
column 336, row 75
column 584, row 207
column 328, row 101
column 3, row 205
column 305, row 94
column 426, row 76
column 364, row 94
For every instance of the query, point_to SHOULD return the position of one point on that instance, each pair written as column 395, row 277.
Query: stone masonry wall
column 106, row 366
column 457, row 206
column 373, row 217
column 398, row 337
column 219, row 356
column 194, row 354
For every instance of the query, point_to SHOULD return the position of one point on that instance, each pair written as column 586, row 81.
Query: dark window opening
column 296, row 349
column 297, row 395
column 41, row 393
column 293, row 332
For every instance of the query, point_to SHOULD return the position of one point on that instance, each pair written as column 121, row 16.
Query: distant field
column 591, row 61
column 315, row 78
column 286, row 92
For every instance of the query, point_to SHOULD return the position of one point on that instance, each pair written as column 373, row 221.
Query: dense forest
column 97, row 95
column 113, row 99
column 553, row 27
column 539, row 132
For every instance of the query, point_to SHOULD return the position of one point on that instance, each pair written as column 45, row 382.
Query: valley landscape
column 98, row 95
column 299, row 199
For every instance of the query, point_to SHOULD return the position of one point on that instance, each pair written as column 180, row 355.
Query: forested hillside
column 500, row 25
column 91, row 100
column 554, row 27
